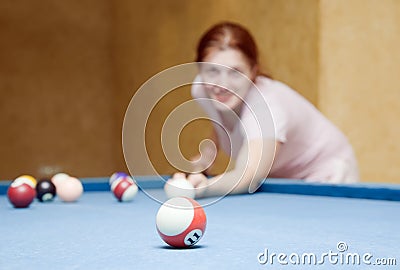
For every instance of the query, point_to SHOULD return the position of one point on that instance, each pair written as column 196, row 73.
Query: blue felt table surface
column 97, row 232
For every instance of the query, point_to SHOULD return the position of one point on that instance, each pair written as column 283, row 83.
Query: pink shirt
column 312, row 147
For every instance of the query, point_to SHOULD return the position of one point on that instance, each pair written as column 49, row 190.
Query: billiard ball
column 124, row 189
column 45, row 190
column 59, row 177
column 69, row 190
column 179, row 187
column 26, row 179
column 20, row 195
column 181, row 222
column 115, row 176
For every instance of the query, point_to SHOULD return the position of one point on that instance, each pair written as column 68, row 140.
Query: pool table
column 287, row 224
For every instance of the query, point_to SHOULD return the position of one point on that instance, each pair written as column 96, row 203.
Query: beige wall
column 359, row 86
column 56, row 89
column 69, row 69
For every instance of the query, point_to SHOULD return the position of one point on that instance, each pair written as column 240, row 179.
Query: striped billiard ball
column 181, row 222
column 124, row 188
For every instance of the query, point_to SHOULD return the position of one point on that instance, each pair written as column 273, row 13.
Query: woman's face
column 230, row 85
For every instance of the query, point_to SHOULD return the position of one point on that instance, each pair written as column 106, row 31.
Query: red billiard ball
column 124, row 189
column 21, row 195
column 181, row 222
column 45, row 190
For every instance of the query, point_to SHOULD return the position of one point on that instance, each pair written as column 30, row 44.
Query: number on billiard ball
column 45, row 190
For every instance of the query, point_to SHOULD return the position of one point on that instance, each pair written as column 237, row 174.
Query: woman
column 305, row 144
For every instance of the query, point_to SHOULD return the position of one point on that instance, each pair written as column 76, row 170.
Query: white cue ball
column 179, row 187
column 59, row 177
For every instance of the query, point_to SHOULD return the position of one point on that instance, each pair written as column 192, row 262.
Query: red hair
column 228, row 35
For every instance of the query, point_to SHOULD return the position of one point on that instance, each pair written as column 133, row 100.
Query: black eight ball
column 45, row 190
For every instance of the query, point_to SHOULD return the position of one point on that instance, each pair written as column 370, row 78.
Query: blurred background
column 69, row 68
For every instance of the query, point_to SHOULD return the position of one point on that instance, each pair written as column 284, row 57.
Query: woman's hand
column 251, row 168
column 178, row 175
